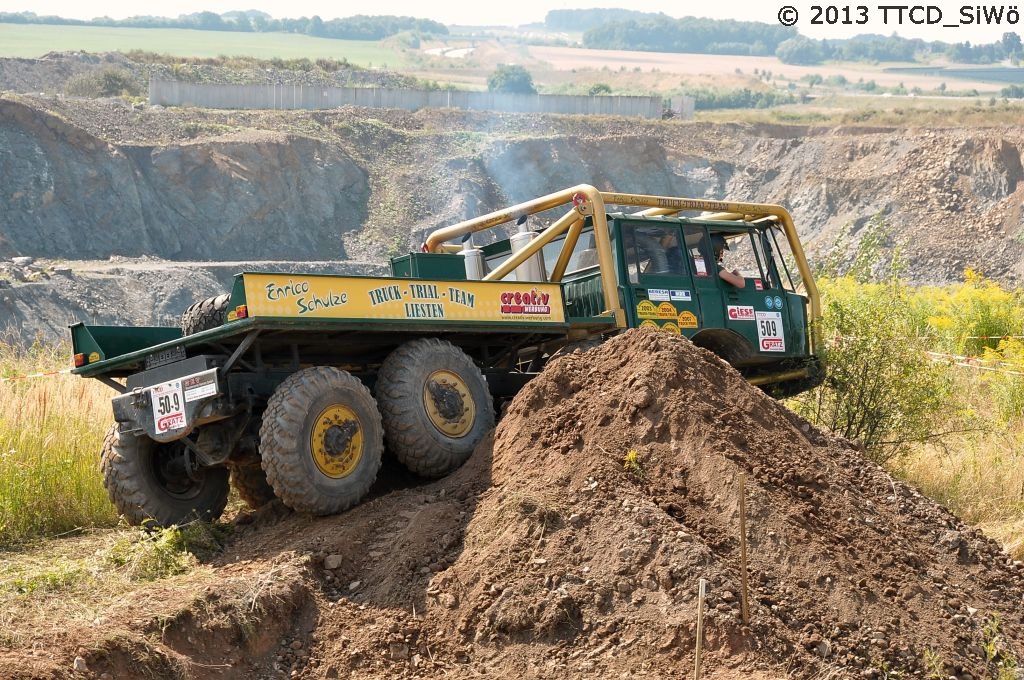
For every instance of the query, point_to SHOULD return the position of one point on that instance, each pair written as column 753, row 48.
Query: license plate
column 168, row 406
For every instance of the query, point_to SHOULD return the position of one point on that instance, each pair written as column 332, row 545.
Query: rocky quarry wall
column 95, row 179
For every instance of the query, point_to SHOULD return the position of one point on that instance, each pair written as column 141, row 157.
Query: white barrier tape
column 991, row 370
column 992, row 337
column 35, row 375
column 971, row 360
column 975, row 363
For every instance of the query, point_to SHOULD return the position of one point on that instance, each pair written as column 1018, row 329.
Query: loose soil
column 572, row 545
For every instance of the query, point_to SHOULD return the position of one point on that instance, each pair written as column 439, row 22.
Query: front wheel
column 321, row 440
column 148, row 480
column 435, row 404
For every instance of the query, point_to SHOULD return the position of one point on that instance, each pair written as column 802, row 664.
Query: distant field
column 571, row 58
column 18, row 40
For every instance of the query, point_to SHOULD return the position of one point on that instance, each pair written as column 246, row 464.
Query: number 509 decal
column 769, row 332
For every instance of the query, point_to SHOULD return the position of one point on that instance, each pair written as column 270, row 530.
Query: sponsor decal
column 778, row 302
column 741, row 313
column 687, row 320
column 769, row 332
column 647, row 310
column 658, row 294
column 173, row 421
column 666, row 310
column 699, row 267
column 357, row 297
column 758, row 285
column 200, row 385
column 769, row 302
column 525, row 302
column 680, row 295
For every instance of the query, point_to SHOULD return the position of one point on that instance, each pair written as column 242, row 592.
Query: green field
column 35, row 40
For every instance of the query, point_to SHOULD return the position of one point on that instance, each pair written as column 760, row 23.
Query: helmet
column 718, row 242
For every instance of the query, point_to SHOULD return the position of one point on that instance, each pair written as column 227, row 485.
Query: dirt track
column 545, row 557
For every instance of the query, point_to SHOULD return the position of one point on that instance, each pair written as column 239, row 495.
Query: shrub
column 882, row 389
column 512, row 79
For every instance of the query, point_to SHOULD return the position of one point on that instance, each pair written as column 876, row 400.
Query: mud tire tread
column 410, row 435
column 251, row 485
column 284, row 441
column 205, row 314
column 126, row 467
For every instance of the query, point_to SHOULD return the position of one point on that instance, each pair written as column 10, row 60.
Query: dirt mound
column 572, row 546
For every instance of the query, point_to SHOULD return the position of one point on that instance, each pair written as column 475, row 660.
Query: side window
column 744, row 254
column 584, row 255
column 652, row 249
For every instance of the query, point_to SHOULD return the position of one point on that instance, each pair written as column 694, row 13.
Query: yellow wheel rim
column 336, row 441
column 448, row 403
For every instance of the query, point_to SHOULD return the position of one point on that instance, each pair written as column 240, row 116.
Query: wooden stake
column 701, row 594
column 743, row 549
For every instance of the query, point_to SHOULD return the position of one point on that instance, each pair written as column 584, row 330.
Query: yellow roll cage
column 588, row 201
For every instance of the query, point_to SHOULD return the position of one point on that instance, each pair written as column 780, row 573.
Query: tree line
column 620, row 29
column 875, row 48
column 360, row 27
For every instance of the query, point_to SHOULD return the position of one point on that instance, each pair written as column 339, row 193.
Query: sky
column 946, row 21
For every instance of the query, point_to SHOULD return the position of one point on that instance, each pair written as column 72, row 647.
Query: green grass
column 17, row 40
column 51, row 430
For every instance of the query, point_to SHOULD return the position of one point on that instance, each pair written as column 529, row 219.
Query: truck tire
column 205, row 314
column 321, row 440
column 251, row 485
column 147, row 480
column 435, row 404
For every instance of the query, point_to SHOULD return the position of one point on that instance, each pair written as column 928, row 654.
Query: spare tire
column 204, row 315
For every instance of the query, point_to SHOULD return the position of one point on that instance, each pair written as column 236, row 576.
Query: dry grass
column 896, row 112
column 978, row 475
column 51, row 430
column 981, row 481
column 53, row 591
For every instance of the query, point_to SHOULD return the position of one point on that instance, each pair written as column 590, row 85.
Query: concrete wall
column 174, row 93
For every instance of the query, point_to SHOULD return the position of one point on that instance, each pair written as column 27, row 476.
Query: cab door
column 759, row 311
column 658, row 282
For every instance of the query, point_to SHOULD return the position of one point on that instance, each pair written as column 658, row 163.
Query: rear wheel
column 204, row 315
column 321, row 440
column 148, row 480
column 435, row 405
column 251, row 485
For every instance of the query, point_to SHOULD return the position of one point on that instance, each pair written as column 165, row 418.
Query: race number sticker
column 769, row 332
column 168, row 406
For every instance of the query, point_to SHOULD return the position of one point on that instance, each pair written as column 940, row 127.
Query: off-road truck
column 293, row 385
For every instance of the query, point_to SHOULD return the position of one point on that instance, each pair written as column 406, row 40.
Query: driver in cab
column 733, row 277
